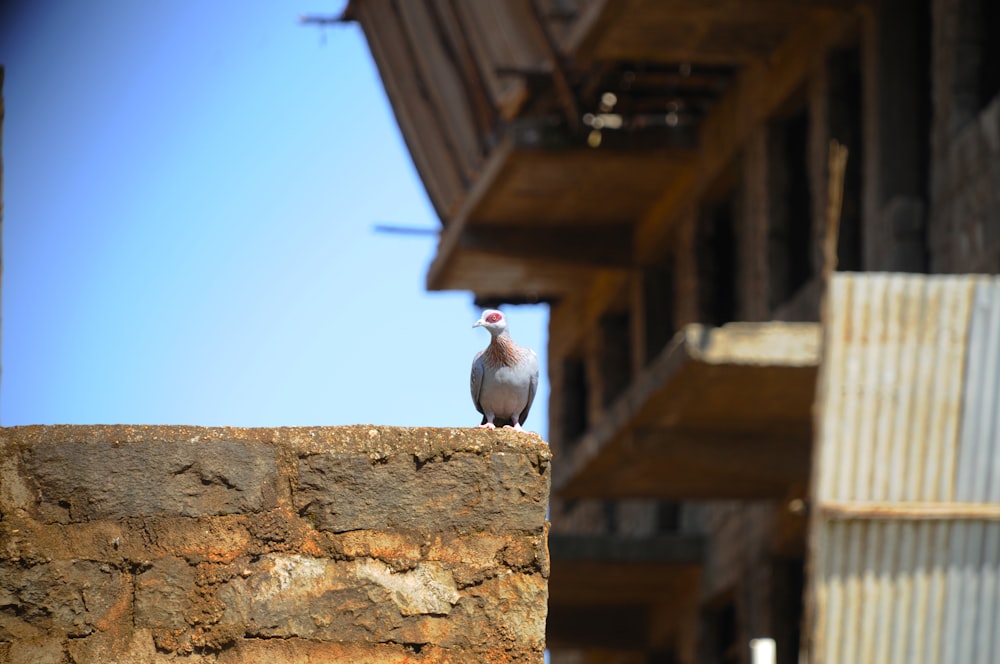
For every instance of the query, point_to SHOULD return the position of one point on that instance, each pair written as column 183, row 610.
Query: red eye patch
column 492, row 318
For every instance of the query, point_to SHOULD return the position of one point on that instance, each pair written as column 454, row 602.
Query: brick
column 358, row 600
column 99, row 479
column 73, row 596
column 163, row 594
column 127, row 646
column 463, row 492
column 36, row 651
column 365, row 601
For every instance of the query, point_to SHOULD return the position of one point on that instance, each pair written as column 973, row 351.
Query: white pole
column 763, row 651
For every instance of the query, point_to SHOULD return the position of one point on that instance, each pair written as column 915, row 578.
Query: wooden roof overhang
column 721, row 413
column 608, row 591
column 540, row 219
column 499, row 104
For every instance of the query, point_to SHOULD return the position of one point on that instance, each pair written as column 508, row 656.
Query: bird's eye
column 492, row 318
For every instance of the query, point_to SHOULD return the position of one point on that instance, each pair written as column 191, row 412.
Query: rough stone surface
column 88, row 480
column 461, row 492
column 348, row 544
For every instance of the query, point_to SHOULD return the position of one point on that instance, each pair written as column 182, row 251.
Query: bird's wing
column 476, row 380
column 531, row 365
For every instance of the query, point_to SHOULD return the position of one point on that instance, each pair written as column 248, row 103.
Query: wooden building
column 657, row 172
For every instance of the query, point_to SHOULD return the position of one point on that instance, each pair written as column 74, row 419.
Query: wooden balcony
column 721, row 413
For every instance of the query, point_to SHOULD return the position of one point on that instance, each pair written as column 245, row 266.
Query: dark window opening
column 658, row 308
column 668, row 517
column 721, row 635
column 989, row 61
column 903, row 134
column 661, row 657
column 716, row 254
column 789, row 585
column 844, row 103
column 790, row 237
column 977, row 57
column 615, row 356
column 575, row 398
column 612, row 523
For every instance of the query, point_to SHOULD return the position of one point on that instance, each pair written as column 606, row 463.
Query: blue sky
column 189, row 193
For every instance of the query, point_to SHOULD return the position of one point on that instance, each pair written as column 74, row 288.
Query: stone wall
column 346, row 544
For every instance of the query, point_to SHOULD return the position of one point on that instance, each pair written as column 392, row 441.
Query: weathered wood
column 455, row 227
column 912, row 511
column 480, row 21
column 560, row 76
column 608, row 245
column 445, row 13
column 564, row 189
column 835, row 196
column 421, row 128
column 728, row 32
column 722, row 412
column 443, row 83
column 678, row 549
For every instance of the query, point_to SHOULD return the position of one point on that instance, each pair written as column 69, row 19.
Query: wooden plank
column 494, row 36
column 449, row 99
column 578, row 186
column 472, row 73
column 607, row 245
column 690, row 465
column 421, row 130
column 912, row 511
column 560, row 72
column 589, row 582
column 666, row 549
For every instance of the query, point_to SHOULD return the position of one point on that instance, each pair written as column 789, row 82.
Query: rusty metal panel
column 906, row 491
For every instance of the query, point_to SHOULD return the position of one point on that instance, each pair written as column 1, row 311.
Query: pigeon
column 504, row 376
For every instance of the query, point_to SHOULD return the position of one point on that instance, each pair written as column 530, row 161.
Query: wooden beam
column 682, row 549
column 609, row 583
column 598, row 246
column 910, row 511
column 437, row 274
column 560, row 72
column 681, row 464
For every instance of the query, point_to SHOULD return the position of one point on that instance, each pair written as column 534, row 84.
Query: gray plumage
column 504, row 376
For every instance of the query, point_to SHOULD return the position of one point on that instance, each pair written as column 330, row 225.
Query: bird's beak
column 478, row 323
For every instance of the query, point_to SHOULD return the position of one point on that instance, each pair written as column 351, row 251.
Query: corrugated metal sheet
column 906, row 533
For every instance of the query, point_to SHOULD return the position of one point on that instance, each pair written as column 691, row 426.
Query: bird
column 504, row 376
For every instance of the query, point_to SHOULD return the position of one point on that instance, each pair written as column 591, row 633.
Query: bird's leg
column 488, row 424
column 516, row 424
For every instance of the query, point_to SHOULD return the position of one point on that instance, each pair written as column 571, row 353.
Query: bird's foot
column 488, row 425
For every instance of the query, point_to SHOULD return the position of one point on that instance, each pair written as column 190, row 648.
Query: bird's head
column 492, row 320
